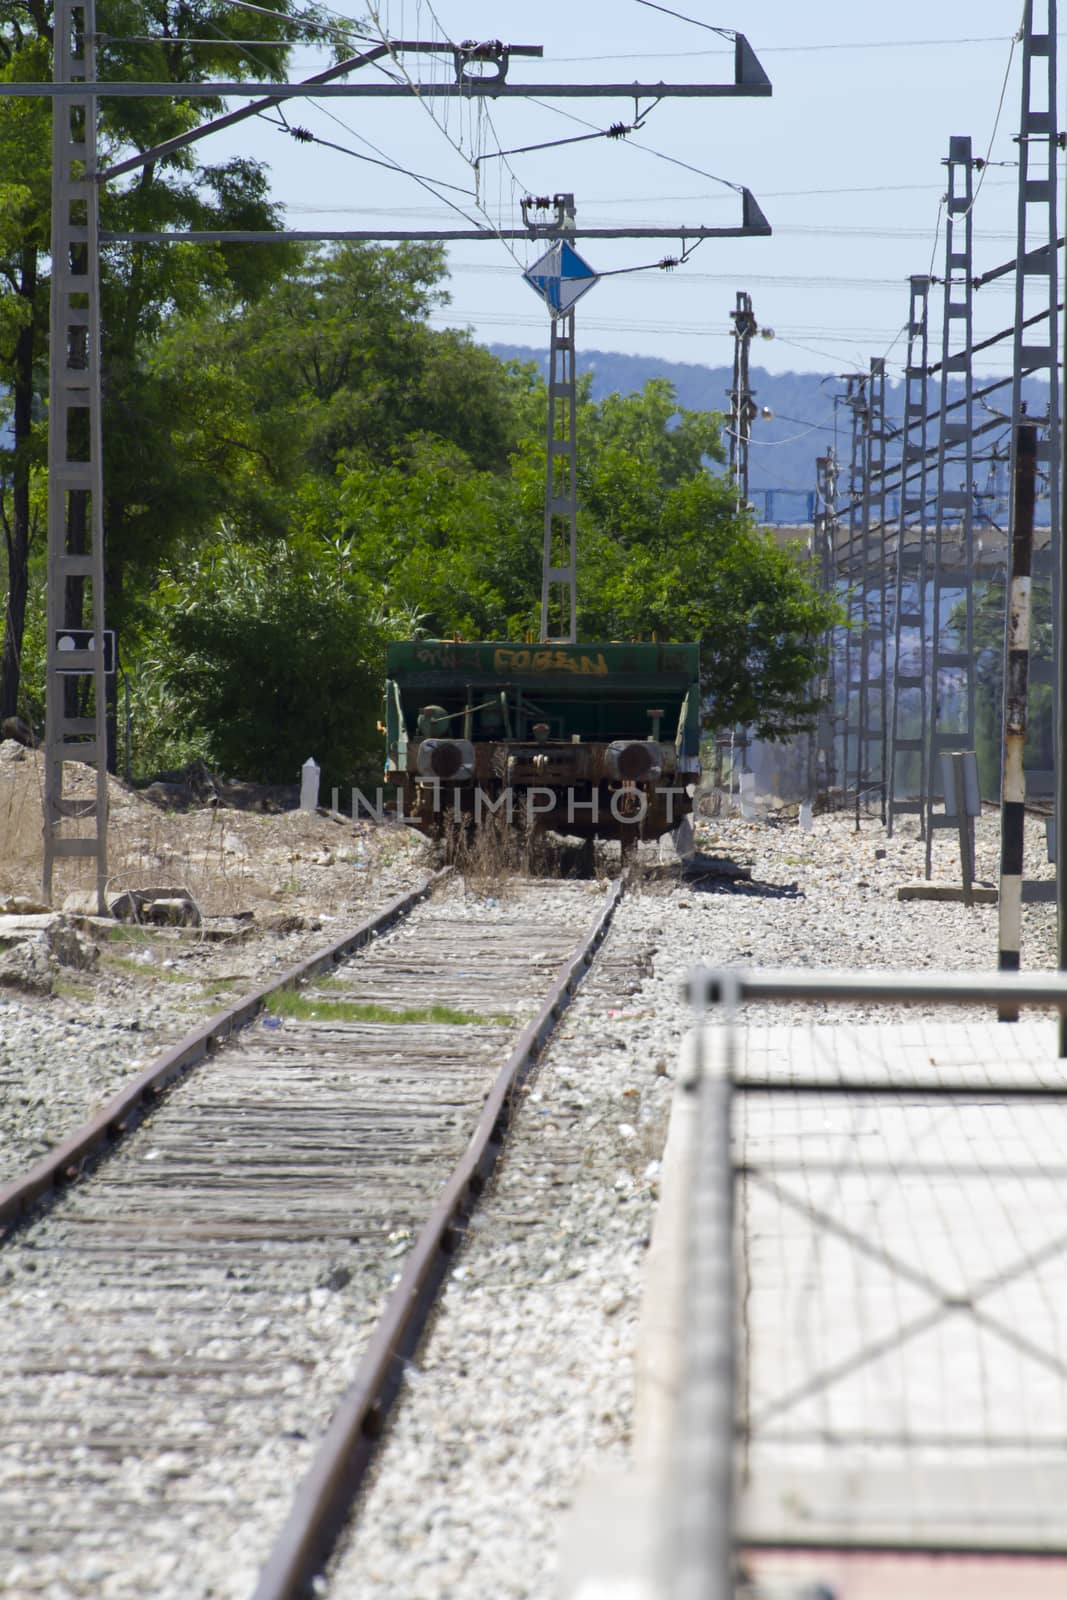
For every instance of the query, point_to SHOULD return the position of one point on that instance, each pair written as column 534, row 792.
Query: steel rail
column 325, row 1496
column 68, row 1160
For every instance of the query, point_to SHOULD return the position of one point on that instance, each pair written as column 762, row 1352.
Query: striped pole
column 1016, row 682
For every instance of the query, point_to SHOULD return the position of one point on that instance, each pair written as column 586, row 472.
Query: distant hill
column 806, row 421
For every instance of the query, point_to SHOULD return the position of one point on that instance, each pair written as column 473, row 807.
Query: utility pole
column 75, row 657
column 559, row 572
column 939, row 557
column 863, row 565
column 824, row 551
column 952, row 663
column 906, row 759
column 560, row 277
column 852, row 755
column 1035, row 350
column 743, row 409
column 874, row 588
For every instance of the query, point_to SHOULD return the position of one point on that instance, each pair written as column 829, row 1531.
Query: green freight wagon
column 595, row 740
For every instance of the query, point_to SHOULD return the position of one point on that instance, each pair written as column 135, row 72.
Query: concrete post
column 309, row 785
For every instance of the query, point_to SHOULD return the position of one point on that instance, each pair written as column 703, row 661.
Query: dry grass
column 21, row 792
column 227, row 861
column 491, row 857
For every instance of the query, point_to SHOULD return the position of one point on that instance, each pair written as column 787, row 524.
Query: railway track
column 218, row 1312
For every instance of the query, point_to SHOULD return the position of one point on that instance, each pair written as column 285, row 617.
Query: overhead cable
column 724, row 33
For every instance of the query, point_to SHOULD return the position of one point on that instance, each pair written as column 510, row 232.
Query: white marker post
column 309, row 785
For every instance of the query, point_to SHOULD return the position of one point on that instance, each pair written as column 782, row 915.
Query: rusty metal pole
column 1016, row 684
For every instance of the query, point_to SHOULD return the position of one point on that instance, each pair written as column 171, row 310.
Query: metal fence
column 876, row 1291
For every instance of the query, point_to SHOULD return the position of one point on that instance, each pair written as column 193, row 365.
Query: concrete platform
column 900, row 1216
column 1036, row 892
column 902, row 1260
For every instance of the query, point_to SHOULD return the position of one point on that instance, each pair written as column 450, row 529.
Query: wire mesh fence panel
column 901, row 1217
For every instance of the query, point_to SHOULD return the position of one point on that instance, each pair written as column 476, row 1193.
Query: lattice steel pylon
column 559, row 575
column 75, row 481
column 1036, row 340
column 824, row 553
column 855, row 642
column 906, row 773
column 951, row 721
column 875, row 578
column 742, row 405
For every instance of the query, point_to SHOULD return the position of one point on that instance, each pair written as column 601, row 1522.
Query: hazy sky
column 845, row 159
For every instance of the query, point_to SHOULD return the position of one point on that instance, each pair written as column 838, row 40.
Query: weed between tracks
column 306, row 1008
column 491, row 857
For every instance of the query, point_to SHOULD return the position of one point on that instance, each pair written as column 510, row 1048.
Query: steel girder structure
column 906, row 771
column 559, row 568
column 742, row 405
column 75, row 823
column 824, row 553
column 1035, row 352
column 861, row 567
column 877, row 597
column 951, row 722
column 854, row 642
column 937, row 557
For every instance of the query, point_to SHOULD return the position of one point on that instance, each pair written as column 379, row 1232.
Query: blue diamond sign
column 560, row 277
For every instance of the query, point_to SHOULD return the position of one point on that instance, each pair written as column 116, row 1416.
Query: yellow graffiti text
column 550, row 661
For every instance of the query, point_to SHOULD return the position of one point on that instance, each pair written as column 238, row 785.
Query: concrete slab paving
column 902, row 1260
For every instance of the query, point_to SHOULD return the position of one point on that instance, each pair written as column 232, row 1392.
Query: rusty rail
column 68, row 1160
column 324, row 1499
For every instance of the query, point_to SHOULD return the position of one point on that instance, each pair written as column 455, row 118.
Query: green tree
column 330, row 424
column 263, row 662
column 339, row 367
column 25, row 130
column 142, row 286
column 663, row 553
column 403, row 469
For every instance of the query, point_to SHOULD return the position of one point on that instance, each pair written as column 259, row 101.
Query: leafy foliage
column 381, row 478
column 264, row 664
column 141, row 287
